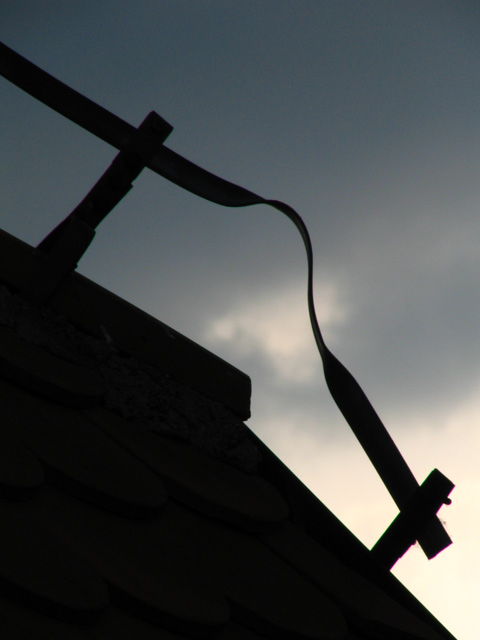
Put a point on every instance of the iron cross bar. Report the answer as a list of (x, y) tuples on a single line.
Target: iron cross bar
[(348, 395), (402, 532)]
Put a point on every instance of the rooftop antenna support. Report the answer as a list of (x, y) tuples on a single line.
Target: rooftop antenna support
[(62, 249)]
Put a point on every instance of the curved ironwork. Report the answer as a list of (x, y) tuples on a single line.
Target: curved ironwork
[(345, 390)]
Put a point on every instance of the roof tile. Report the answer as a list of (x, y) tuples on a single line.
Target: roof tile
[(196, 479), (117, 624), (19, 622), (34, 368), (266, 593), (143, 576), (79, 457)]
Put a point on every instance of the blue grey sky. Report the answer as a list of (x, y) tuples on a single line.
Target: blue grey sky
[(364, 116)]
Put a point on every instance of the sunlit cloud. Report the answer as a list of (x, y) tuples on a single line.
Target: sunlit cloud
[(275, 325)]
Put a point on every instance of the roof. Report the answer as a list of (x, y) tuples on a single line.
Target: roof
[(136, 503)]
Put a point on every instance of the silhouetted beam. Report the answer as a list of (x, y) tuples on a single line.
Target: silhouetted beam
[(63, 99), (112, 129)]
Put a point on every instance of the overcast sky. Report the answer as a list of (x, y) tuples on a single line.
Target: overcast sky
[(364, 116)]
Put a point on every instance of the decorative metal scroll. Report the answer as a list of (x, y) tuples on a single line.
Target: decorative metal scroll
[(418, 505)]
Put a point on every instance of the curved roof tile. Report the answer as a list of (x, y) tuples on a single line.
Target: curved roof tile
[(79, 457), (35, 369)]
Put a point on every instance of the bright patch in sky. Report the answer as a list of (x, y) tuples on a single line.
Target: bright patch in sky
[(276, 324)]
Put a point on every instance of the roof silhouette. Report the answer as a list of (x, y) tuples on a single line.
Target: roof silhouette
[(136, 503)]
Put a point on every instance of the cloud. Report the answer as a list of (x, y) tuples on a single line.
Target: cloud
[(274, 325)]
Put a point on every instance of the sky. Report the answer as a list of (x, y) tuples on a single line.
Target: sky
[(363, 116)]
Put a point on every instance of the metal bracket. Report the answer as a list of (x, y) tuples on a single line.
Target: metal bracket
[(412, 520), (62, 249)]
